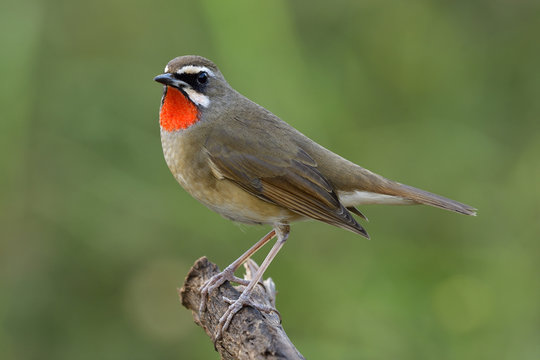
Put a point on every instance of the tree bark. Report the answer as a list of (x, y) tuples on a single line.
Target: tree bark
[(252, 334)]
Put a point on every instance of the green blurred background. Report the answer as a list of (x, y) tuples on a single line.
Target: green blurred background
[(96, 235)]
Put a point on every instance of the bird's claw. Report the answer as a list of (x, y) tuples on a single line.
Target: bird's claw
[(234, 307), (215, 282), (261, 307)]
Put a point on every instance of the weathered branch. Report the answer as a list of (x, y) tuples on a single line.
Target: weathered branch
[(251, 334)]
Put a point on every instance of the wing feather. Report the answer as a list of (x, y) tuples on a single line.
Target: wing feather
[(283, 175)]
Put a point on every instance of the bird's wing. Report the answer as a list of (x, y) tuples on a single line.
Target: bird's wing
[(273, 168)]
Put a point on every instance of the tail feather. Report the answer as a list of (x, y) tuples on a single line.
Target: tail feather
[(384, 191), (356, 185), (427, 198)]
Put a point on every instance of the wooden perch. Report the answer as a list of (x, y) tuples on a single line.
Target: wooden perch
[(251, 334)]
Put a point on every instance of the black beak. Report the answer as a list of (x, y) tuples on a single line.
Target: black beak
[(166, 79)]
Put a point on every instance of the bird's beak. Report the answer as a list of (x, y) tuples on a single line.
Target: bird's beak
[(168, 79)]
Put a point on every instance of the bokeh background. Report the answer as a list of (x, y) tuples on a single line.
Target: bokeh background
[(96, 235)]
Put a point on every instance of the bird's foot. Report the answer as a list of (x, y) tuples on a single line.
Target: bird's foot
[(215, 282), (261, 307), (234, 307)]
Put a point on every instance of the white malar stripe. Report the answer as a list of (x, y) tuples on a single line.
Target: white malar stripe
[(197, 97), (353, 198), (192, 69)]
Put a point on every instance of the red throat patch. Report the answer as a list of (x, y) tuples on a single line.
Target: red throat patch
[(177, 112)]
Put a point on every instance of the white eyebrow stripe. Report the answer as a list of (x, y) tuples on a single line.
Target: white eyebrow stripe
[(166, 70), (192, 69)]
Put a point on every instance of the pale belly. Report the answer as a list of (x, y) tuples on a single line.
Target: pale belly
[(234, 203), (193, 172)]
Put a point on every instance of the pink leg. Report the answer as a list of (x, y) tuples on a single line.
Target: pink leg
[(228, 274), (282, 232)]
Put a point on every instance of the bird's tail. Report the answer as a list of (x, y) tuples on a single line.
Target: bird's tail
[(375, 189), (420, 196)]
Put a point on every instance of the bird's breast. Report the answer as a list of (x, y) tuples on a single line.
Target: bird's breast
[(189, 164)]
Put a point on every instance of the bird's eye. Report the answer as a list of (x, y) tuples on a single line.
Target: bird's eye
[(202, 78)]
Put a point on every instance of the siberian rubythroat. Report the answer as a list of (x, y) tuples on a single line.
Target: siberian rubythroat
[(248, 165)]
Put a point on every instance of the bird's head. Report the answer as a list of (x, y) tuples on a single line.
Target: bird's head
[(192, 85)]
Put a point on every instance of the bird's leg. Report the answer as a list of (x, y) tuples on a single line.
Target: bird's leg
[(282, 232), (228, 274)]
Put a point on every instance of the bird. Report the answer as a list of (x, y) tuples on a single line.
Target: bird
[(245, 163)]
